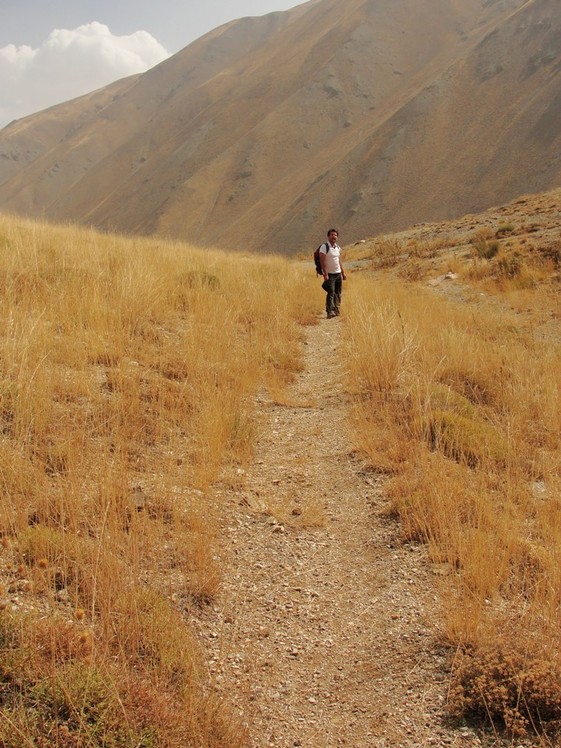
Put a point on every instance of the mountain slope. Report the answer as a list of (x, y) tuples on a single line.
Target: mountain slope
[(264, 131)]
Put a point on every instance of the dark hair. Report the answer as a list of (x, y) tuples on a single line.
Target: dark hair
[(330, 230)]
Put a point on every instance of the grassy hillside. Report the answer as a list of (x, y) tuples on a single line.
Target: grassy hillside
[(454, 349), (127, 370)]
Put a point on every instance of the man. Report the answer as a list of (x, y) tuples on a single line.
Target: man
[(333, 273)]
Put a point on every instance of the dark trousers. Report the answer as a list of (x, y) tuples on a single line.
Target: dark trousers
[(333, 287)]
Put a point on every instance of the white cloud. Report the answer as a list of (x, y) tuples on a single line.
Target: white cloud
[(70, 63)]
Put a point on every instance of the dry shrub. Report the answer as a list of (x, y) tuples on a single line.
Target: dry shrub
[(503, 687), (413, 270), (387, 252), (551, 252), (57, 689), (428, 248), (484, 246)]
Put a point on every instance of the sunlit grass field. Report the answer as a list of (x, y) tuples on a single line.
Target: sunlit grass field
[(457, 399), (127, 370)]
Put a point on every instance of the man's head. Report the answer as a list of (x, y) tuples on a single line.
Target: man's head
[(333, 235)]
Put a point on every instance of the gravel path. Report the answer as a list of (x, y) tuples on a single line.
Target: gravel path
[(323, 632)]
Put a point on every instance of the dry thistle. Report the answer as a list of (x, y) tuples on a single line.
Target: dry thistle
[(86, 642)]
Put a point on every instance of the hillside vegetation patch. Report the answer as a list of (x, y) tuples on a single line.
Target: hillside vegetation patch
[(457, 400), (128, 370)]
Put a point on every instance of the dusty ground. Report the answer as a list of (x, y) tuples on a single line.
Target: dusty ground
[(324, 630)]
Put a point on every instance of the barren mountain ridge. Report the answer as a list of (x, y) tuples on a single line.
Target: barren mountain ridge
[(363, 114)]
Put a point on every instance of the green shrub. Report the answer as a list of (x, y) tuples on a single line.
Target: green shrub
[(465, 439), (504, 228), (74, 707), (484, 249), (445, 397)]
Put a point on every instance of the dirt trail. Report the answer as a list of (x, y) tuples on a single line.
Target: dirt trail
[(322, 634)]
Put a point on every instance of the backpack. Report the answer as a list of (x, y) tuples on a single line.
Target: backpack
[(317, 262)]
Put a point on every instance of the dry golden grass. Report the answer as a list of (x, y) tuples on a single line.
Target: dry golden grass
[(127, 369), (461, 405)]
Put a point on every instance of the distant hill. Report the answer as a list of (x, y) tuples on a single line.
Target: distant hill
[(367, 115)]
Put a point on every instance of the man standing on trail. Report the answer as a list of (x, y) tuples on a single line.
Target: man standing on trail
[(333, 273)]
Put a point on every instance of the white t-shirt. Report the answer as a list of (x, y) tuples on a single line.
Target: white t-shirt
[(332, 264)]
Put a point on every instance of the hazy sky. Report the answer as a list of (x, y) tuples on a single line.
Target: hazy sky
[(54, 50)]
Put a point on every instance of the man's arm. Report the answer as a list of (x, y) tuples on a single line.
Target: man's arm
[(322, 262)]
